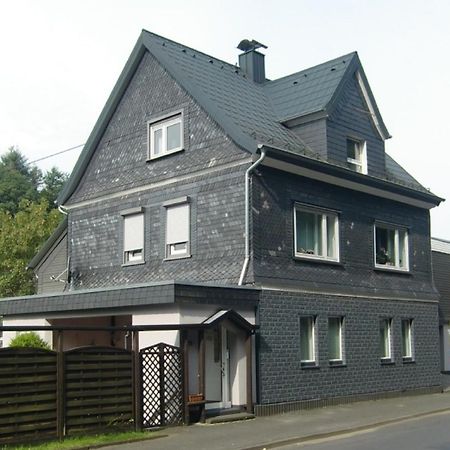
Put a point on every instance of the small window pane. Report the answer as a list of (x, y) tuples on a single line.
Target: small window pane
[(352, 151), (331, 237), (306, 233), (334, 338), (391, 247), (157, 142), (402, 248), (406, 339), (307, 338), (385, 338), (174, 136)]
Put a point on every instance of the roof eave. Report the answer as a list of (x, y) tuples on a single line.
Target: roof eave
[(341, 172)]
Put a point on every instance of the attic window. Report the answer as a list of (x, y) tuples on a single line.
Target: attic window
[(165, 136), (356, 156)]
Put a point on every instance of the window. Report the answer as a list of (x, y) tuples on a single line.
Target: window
[(165, 136), (316, 234), (407, 339), (307, 340), (356, 156), (1, 332), (391, 247), (177, 230), (335, 339), (133, 238), (385, 339)]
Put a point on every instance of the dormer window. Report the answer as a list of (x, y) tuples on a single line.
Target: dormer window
[(165, 136), (356, 156)]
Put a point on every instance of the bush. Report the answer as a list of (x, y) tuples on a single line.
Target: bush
[(30, 339)]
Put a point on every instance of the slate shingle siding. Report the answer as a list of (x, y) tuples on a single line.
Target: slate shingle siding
[(217, 230), (283, 379), (351, 119), (314, 135), (119, 161), (274, 194), (441, 273)]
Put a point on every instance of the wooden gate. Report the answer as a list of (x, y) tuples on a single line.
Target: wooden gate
[(98, 388), (162, 385), (28, 395)]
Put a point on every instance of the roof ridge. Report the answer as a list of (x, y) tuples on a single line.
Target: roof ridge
[(352, 54), (186, 47)]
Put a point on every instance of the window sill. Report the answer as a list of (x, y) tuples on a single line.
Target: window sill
[(314, 260), (309, 365), (387, 362), (134, 263), (175, 257), (392, 270), (408, 360), (152, 158), (337, 364)]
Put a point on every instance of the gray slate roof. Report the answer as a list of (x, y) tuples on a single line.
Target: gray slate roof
[(250, 113)]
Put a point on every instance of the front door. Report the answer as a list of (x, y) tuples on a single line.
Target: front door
[(217, 362)]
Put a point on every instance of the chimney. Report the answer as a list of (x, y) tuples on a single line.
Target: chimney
[(251, 61)]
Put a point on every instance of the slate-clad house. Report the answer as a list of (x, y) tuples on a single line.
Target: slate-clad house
[(209, 194), (441, 272)]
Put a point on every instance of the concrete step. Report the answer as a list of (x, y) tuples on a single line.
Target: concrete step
[(230, 418)]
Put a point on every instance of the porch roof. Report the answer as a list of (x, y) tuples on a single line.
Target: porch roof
[(126, 298)]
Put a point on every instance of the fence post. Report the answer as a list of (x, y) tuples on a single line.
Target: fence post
[(137, 383), (60, 386)]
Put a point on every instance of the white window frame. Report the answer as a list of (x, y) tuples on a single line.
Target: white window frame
[(409, 353), (324, 234), (312, 340), (388, 357), (170, 251), (359, 164), (136, 255), (162, 124), (1, 332), (395, 265), (341, 322)]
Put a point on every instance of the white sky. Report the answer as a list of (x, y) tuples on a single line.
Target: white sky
[(60, 60)]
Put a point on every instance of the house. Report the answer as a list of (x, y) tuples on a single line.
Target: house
[(261, 219), (440, 250)]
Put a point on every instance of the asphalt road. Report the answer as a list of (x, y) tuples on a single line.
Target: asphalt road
[(427, 433)]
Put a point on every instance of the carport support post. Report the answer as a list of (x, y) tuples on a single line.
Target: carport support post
[(137, 383), (60, 388), (185, 347), (249, 372), (201, 371)]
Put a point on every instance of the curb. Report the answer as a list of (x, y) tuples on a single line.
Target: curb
[(313, 437)]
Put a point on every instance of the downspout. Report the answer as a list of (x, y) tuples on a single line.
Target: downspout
[(247, 213), (61, 210)]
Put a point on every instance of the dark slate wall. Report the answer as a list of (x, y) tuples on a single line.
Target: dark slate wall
[(120, 160), (441, 274), (274, 194), (283, 379), (314, 135), (217, 234), (54, 264), (351, 119)]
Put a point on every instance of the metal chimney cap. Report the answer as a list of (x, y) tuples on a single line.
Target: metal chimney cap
[(245, 45)]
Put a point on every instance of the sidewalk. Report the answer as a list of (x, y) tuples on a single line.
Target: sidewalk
[(273, 431)]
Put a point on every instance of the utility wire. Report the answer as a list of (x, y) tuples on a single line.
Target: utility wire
[(57, 153)]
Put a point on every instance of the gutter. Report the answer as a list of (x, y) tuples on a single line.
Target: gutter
[(247, 212)]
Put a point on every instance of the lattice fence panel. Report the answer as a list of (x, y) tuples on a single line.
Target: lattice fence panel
[(99, 389), (27, 395), (162, 385)]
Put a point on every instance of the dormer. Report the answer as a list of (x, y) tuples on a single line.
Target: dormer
[(332, 109)]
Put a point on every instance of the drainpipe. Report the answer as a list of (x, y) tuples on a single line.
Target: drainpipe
[(247, 213), (61, 210)]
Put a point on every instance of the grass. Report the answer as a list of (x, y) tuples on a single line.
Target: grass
[(85, 442)]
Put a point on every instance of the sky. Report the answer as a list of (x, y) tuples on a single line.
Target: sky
[(61, 58)]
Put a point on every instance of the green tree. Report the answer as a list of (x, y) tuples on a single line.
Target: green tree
[(52, 183), (30, 340), (21, 236)]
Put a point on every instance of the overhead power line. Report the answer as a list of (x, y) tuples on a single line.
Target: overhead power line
[(55, 154)]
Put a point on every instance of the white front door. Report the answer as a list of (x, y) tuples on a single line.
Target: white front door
[(217, 362)]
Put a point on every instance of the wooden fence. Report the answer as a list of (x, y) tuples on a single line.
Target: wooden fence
[(46, 394)]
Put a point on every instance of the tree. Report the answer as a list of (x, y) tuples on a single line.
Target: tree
[(53, 181), (21, 236), (29, 340)]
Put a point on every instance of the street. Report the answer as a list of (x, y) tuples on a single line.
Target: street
[(429, 433)]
